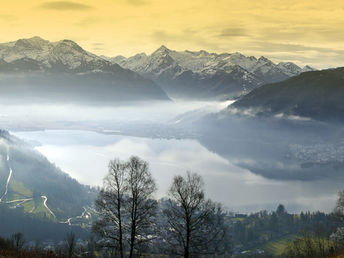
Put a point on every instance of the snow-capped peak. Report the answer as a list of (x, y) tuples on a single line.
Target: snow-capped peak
[(263, 59), (289, 68), (46, 54), (237, 55), (33, 43), (165, 61), (308, 68), (163, 49)]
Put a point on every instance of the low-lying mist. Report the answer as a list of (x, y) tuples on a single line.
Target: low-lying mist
[(248, 163), (20, 115)]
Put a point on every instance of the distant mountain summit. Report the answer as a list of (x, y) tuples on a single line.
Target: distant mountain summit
[(203, 75), (70, 72), (51, 56)]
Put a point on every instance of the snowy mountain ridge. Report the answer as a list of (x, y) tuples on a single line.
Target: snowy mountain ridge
[(205, 62), (204, 74), (183, 74), (62, 71), (46, 55)]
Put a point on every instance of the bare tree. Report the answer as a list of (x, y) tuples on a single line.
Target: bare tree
[(141, 205), (339, 209), (70, 240), (194, 223), (18, 240), (109, 204), (125, 205)]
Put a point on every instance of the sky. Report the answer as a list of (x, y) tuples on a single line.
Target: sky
[(303, 31)]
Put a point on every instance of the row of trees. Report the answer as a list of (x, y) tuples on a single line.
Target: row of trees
[(322, 239), (257, 228), (17, 246), (129, 221)]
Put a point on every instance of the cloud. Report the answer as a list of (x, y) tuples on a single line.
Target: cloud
[(137, 2), (160, 35), (98, 49), (232, 32), (307, 32), (319, 57), (291, 117), (287, 47), (87, 22), (65, 6), (186, 35), (5, 17), (97, 46)]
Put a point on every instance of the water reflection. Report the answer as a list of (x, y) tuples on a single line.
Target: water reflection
[(85, 155)]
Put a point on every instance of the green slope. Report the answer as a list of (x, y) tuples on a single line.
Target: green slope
[(277, 247), (33, 177), (317, 95)]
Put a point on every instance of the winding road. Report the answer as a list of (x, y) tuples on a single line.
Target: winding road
[(46, 206), (21, 201), (85, 214), (8, 179)]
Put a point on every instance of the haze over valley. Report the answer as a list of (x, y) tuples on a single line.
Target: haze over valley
[(150, 128), (197, 111), (259, 133)]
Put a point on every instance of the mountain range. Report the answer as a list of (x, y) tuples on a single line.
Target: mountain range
[(38, 70), (202, 74), (63, 71)]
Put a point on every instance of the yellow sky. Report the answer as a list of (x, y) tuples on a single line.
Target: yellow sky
[(303, 31)]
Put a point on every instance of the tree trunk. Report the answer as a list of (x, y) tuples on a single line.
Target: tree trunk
[(132, 240), (120, 224), (133, 226), (187, 245)]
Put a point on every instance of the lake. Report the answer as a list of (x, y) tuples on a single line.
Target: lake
[(84, 155)]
